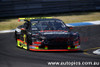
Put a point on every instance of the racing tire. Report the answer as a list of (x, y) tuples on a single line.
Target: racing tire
[(29, 41)]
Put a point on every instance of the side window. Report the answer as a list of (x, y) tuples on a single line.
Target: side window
[(26, 25)]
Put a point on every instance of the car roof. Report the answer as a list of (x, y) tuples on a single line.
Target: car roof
[(44, 19)]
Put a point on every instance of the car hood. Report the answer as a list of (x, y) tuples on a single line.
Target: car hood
[(55, 34)]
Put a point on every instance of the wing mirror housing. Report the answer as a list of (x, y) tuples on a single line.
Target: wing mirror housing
[(70, 28), (22, 28)]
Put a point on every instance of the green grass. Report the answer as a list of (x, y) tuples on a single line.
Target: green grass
[(6, 24)]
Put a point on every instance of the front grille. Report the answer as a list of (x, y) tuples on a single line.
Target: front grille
[(57, 47), (57, 43)]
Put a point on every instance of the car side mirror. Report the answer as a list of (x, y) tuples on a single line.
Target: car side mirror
[(22, 28), (70, 28)]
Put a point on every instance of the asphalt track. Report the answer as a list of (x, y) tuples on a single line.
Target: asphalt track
[(11, 56)]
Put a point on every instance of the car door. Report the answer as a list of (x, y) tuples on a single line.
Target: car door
[(24, 31)]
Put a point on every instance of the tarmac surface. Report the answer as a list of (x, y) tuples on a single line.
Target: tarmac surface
[(12, 56)]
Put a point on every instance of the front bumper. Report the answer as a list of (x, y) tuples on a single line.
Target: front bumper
[(36, 48)]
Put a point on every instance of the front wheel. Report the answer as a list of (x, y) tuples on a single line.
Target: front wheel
[(29, 41)]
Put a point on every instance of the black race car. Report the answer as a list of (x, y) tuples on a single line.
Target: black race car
[(46, 35)]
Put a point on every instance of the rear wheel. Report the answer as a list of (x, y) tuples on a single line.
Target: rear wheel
[(19, 44), (15, 36)]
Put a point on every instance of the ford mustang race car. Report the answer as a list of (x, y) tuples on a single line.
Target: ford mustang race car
[(46, 34)]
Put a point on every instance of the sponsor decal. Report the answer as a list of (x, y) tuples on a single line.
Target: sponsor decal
[(55, 33)]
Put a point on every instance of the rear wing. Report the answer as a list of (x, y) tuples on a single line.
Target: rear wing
[(28, 19)]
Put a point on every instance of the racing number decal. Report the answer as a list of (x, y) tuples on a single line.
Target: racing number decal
[(24, 38), (24, 42)]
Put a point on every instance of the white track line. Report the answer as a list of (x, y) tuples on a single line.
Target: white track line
[(95, 22), (7, 31), (97, 52)]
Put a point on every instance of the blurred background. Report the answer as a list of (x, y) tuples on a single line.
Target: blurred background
[(70, 11)]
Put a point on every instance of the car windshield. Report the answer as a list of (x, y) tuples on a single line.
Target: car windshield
[(48, 25)]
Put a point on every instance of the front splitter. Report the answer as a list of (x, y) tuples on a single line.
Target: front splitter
[(54, 49)]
